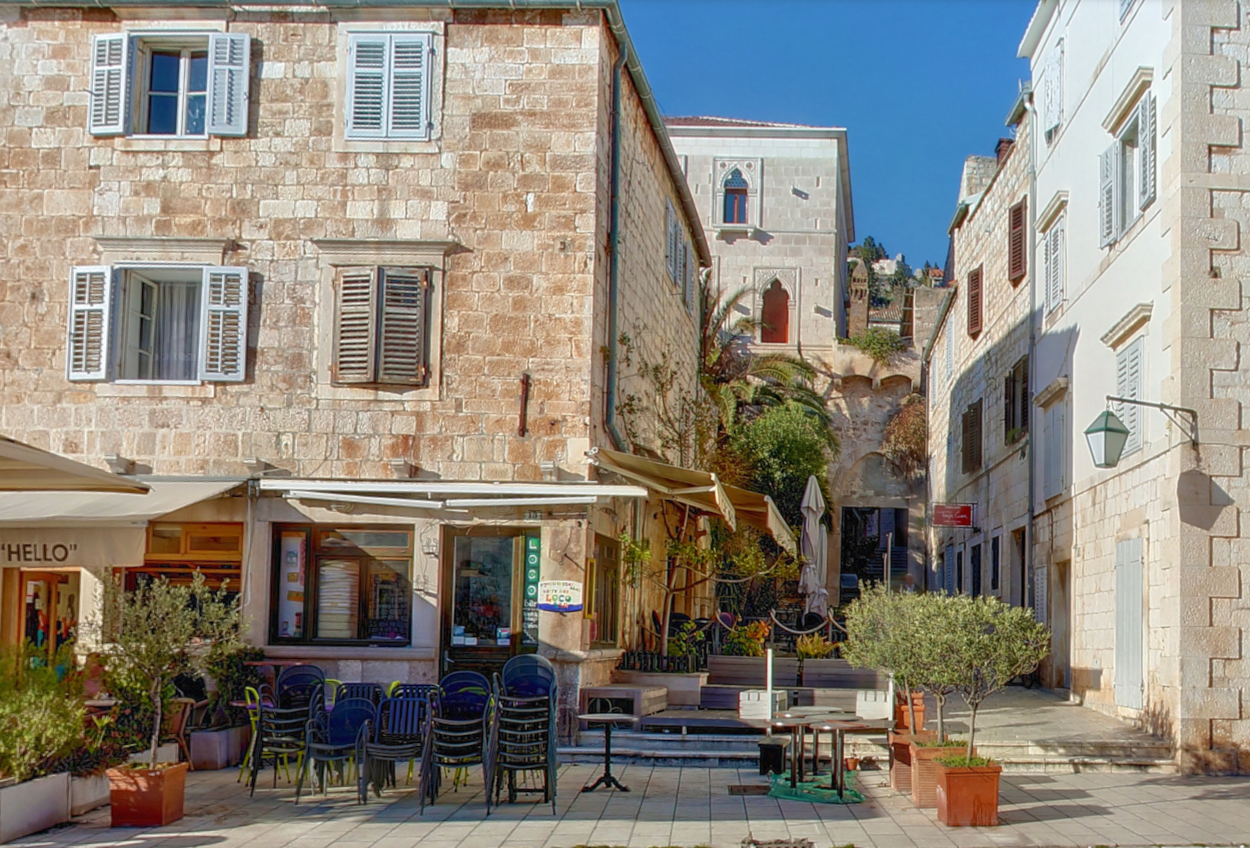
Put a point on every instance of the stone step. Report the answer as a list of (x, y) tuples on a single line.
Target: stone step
[(738, 751)]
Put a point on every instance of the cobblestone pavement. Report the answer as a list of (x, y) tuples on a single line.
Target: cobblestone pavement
[(688, 807)]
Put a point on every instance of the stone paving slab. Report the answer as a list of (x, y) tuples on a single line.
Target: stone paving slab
[(688, 807)]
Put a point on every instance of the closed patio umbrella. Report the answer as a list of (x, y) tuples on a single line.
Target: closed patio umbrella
[(813, 545)]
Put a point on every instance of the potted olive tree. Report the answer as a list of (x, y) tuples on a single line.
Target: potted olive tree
[(937, 671), (156, 632), (992, 643), (883, 629)]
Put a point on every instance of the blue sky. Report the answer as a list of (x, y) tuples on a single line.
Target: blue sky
[(919, 85)]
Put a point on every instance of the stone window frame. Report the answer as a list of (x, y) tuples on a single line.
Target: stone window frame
[(789, 280), (337, 254), (437, 69), (752, 171)]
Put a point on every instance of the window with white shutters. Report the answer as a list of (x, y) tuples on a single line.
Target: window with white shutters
[(174, 324), (381, 326), (188, 85), (950, 352), (1127, 173), (670, 240), (1054, 454), (1053, 262), (1052, 93), (388, 85), (1108, 229), (1128, 380), (692, 267)]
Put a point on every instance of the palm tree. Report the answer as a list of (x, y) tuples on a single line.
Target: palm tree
[(739, 381)]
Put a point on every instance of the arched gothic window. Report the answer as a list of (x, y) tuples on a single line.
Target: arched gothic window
[(735, 198), (775, 315)]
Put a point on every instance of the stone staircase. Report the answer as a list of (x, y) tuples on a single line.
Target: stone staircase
[(741, 750)]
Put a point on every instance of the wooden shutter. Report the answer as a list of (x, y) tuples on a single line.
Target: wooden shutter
[(972, 438), (223, 318), (1106, 195), (690, 275), (90, 310), (409, 86), (110, 84), (1025, 400), (229, 75), (670, 240), (1129, 624), (1128, 378), (950, 352), (355, 326), (1052, 481), (1146, 148), (1009, 405), (1054, 264), (1017, 248), (366, 86), (974, 302), (401, 337)]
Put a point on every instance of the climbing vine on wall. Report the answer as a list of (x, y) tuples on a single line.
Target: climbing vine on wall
[(906, 437)]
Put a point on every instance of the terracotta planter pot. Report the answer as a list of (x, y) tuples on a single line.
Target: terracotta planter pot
[(851, 763), (902, 716), (144, 797), (900, 757), (924, 772), (968, 797)]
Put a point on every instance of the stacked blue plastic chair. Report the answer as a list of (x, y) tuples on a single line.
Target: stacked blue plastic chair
[(527, 694), (369, 691), (460, 732), (337, 737), (397, 736), (297, 685)]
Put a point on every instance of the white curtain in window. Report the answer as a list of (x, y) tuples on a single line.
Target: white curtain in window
[(177, 332)]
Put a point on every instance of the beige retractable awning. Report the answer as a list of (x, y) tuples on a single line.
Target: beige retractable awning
[(27, 469), (759, 511), (699, 489), (95, 509)]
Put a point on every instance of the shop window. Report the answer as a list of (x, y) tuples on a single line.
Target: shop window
[(341, 586), (177, 552)]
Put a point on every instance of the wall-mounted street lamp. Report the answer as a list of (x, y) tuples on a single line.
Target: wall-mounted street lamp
[(1108, 435)]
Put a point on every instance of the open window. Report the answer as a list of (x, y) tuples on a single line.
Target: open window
[(182, 85), (160, 324)]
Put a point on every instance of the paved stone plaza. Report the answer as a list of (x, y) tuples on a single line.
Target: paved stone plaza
[(690, 807)]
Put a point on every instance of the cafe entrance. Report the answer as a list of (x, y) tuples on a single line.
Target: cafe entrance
[(490, 597), (41, 608)]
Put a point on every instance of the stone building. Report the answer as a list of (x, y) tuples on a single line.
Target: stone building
[(343, 282), (1137, 263), (977, 379), (776, 200)]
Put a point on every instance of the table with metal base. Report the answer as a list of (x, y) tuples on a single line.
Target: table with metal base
[(607, 720), (837, 780)]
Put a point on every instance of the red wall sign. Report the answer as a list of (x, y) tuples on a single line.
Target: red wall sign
[(952, 515)]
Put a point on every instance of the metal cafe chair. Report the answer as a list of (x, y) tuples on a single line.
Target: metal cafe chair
[(460, 732), (335, 737), (397, 736), (527, 695)]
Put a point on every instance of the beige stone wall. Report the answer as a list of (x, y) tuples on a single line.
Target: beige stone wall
[(977, 369), (517, 177)]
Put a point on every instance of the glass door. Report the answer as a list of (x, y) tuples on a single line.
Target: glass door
[(483, 600), (49, 617)]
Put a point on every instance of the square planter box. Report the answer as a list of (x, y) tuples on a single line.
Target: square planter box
[(968, 797), (87, 793), (33, 805), (900, 758), (683, 688), (143, 797), (924, 772), (753, 703), (220, 748), (167, 753)]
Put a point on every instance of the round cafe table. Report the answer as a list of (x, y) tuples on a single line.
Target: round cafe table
[(607, 720), (838, 727)]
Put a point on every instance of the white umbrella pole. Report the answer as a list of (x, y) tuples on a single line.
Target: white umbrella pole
[(768, 679)]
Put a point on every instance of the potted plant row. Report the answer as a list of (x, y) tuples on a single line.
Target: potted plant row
[(156, 632), (944, 644)]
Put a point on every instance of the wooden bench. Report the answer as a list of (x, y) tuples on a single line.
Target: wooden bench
[(621, 697)]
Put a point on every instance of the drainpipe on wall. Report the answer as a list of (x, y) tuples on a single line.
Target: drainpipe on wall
[(614, 263), (1028, 554)]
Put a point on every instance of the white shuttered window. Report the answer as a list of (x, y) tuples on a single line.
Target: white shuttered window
[(174, 324), (1054, 455), (1053, 260), (1128, 384), (185, 85), (388, 85)]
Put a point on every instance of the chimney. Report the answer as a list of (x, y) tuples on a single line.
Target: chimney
[(1003, 148)]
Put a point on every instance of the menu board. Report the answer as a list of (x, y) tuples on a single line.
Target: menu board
[(292, 561), (338, 598), (533, 573)]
